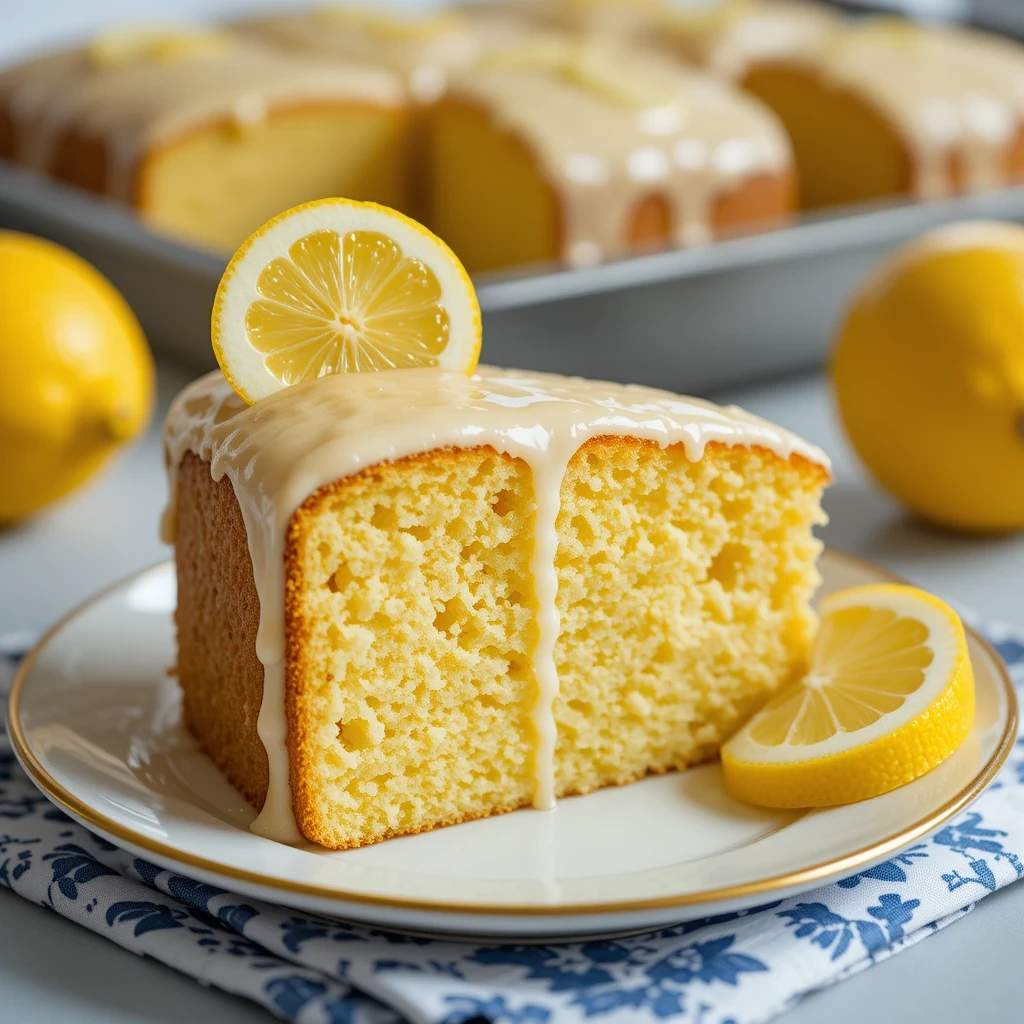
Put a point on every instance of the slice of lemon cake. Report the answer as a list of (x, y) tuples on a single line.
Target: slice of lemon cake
[(581, 151), (874, 107), (206, 134), (423, 47), (411, 598)]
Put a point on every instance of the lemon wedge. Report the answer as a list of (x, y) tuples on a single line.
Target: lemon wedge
[(336, 286), (889, 694)]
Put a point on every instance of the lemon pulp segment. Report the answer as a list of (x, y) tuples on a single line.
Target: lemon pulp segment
[(888, 696), (346, 303), (338, 286), (869, 660)]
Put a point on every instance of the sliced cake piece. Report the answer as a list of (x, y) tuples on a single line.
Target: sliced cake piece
[(578, 151), (413, 598), (207, 135), (874, 108)]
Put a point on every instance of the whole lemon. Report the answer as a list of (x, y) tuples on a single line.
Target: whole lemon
[(76, 376), (929, 376)]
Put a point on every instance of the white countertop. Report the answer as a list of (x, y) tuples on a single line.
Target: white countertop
[(54, 972)]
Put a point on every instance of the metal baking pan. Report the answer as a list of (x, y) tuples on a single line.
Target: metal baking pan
[(692, 320)]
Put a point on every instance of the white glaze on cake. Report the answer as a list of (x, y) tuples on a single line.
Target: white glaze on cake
[(945, 90), (732, 36), (277, 452), (135, 105), (424, 47), (610, 126)]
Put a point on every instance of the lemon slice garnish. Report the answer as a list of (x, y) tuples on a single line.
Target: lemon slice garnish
[(888, 696), (337, 286)]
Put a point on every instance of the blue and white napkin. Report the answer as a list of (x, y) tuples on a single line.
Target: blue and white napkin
[(740, 968)]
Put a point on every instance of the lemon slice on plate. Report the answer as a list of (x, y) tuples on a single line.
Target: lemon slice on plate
[(889, 694), (337, 286)]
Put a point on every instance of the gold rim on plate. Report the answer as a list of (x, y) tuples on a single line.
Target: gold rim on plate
[(171, 856)]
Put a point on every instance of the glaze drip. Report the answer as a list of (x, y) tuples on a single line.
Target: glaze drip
[(277, 452)]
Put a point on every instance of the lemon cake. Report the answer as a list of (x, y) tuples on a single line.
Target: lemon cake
[(423, 47), (207, 135), (413, 598), (580, 151), (880, 107), (733, 38)]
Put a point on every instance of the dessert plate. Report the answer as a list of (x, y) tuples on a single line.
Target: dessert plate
[(95, 721)]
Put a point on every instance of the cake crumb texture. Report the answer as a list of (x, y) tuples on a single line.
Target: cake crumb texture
[(683, 592), (410, 629)]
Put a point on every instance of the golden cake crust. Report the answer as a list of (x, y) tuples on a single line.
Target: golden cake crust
[(217, 617)]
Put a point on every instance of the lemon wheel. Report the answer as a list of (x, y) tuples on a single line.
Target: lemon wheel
[(337, 286), (889, 695)]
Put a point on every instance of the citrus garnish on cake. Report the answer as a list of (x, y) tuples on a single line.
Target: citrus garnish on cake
[(337, 286), (889, 695)]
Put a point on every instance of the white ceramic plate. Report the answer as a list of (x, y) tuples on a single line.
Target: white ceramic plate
[(95, 722)]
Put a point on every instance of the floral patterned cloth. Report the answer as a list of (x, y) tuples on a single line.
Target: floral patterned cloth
[(740, 968)]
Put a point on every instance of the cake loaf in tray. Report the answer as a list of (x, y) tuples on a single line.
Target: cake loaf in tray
[(582, 151), (876, 107), (206, 134), (414, 598)]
